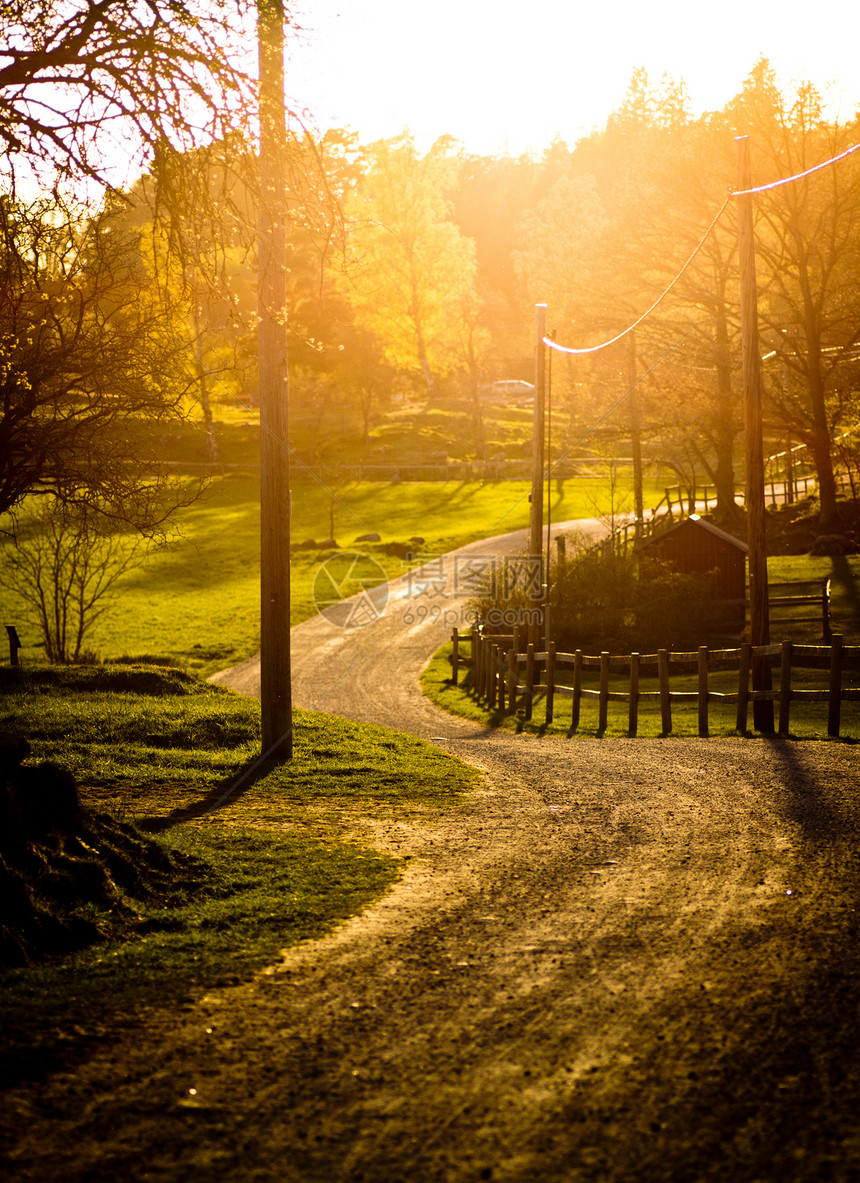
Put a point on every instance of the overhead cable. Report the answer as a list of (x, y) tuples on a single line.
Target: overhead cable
[(798, 176), (550, 344)]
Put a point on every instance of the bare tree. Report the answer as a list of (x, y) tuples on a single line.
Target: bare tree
[(80, 77), (63, 562)]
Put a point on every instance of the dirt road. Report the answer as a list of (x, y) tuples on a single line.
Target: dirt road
[(625, 960)]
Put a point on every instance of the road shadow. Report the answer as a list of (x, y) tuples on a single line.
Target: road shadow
[(749, 1069), (807, 801)]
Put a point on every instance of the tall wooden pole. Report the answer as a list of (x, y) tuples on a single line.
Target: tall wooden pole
[(275, 673), (538, 429), (635, 433), (756, 539)]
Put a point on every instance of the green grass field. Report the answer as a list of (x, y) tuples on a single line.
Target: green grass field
[(197, 603), (281, 853)]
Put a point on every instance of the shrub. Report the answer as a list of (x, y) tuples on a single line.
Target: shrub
[(612, 602)]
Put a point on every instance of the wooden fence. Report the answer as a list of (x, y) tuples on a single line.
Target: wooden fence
[(509, 679), (678, 501)]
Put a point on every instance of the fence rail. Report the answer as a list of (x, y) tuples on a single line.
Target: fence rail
[(510, 678)]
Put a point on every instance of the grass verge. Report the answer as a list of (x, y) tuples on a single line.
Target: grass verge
[(808, 721), (277, 854), (197, 603)]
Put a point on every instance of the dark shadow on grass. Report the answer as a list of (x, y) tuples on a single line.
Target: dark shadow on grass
[(226, 793)]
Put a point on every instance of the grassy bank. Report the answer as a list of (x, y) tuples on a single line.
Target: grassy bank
[(276, 855), (197, 603)]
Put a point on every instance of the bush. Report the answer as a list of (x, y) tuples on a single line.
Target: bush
[(612, 602)]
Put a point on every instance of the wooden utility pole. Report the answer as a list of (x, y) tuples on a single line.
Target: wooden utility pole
[(538, 429), (635, 433), (756, 539), (275, 674)]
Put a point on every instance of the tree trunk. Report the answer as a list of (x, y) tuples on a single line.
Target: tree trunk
[(820, 446), (206, 406), (726, 418)]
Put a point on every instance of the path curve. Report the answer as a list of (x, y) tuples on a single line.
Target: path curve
[(633, 961)]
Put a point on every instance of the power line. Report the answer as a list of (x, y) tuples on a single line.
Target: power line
[(798, 176), (550, 344), (619, 336)]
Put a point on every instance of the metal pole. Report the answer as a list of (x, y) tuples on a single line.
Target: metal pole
[(536, 541), (547, 553), (275, 672), (756, 539)]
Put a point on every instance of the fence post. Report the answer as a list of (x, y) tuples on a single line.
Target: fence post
[(492, 675), (511, 679), (825, 613), (550, 682), (577, 689), (665, 700), (834, 707), (14, 644), (633, 706), (530, 679), (603, 701), (473, 651), (455, 656), (785, 686), (703, 690), (744, 686)]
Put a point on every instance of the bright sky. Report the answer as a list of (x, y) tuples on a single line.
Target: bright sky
[(505, 76)]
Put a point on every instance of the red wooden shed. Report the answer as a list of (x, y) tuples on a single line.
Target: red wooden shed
[(697, 547)]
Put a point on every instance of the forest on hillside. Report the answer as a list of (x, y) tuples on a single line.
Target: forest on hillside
[(412, 281)]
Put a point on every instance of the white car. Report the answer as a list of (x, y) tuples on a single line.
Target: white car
[(511, 388)]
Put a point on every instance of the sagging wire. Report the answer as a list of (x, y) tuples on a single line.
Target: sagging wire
[(551, 344), (798, 176), (554, 464)]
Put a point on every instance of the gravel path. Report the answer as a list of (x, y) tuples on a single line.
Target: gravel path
[(622, 960)]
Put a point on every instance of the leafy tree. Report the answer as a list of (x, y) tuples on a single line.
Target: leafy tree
[(412, 265), (561, 237), (492, 197), (808, 244), (657, 179)]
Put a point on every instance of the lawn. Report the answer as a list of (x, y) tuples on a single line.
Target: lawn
[(272, 855), (196, 603)]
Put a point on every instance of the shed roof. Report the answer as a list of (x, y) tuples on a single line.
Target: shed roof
[(695, 521)]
